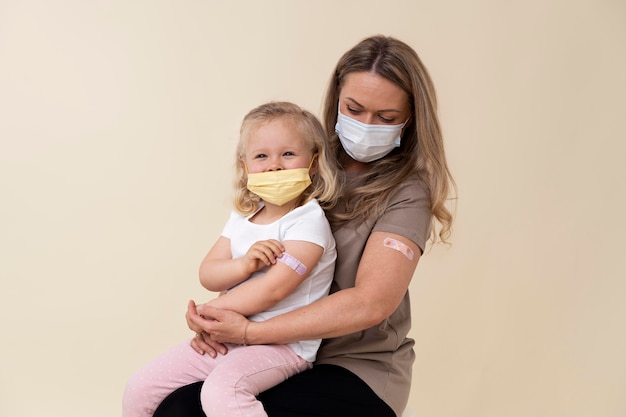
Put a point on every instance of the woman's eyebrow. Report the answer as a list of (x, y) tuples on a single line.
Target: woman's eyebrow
[(354, 101), (377, 111)]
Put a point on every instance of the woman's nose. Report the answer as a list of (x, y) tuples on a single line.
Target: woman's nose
[(367, 118), (370, 119)]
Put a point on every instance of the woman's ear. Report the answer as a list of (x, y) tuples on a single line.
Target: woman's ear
[(407, 124)]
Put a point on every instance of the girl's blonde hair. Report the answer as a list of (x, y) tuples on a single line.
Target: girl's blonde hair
[(421, 151), (324, 174)]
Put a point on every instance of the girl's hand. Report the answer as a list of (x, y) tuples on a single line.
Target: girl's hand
[(202, 341), (263, 253)]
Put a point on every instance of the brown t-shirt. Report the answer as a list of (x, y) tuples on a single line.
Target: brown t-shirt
[(382, 355)]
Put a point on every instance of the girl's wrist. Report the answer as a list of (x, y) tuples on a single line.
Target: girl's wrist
[(244, 268)]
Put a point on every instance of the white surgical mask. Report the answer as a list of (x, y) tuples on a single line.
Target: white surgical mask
[(364, 142)]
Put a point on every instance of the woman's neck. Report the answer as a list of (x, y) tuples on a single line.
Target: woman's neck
[(353, 166)]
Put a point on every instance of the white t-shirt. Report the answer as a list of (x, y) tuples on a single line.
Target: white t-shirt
[(306, 223)]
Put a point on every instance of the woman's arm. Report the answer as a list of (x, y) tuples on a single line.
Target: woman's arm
[(278, 282), (382, 280)]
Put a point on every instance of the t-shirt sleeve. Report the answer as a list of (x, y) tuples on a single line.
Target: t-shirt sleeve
[(409, 214), (227, 231), (311, 225)]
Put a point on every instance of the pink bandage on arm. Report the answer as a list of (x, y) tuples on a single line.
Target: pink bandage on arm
[(399, 246), (292, 263)]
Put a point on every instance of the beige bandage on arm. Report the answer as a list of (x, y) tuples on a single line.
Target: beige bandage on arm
[(399, 246)]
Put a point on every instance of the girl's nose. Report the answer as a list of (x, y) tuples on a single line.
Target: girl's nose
[(274, 166)]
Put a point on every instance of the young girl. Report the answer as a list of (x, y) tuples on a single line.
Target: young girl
[(276, 254)]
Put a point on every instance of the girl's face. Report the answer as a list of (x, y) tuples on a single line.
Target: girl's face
[(276, 145), (372, 99)]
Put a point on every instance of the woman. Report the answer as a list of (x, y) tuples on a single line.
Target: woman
[(380, 113)]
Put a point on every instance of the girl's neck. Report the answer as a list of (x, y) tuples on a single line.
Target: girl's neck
[(269, 213)]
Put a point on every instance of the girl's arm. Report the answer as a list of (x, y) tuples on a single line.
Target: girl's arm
[(382, 281), (219, 271), (279, 281)]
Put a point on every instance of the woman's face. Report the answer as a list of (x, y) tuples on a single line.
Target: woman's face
[(372, 99)]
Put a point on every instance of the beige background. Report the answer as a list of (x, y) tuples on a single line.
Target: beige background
[(117, 126)]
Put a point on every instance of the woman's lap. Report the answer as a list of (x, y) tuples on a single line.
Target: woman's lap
[(184, 402), (324, 391)]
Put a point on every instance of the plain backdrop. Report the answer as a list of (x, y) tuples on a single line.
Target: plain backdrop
[(118, 121)]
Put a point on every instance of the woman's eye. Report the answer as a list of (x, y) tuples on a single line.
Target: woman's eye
[(353, 110), (385, 119)]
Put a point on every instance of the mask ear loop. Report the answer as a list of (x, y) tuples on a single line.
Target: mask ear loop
[(311, 163), (245, 168)]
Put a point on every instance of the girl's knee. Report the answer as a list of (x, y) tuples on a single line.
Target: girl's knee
[(137, 398), (223, 395)]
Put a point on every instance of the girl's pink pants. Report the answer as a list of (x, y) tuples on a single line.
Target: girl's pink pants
[(232, 381)]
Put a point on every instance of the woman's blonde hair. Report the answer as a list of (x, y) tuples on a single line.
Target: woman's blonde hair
[(421, 151), (323, 173)]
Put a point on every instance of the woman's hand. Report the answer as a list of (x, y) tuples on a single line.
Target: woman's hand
[(192, 308), (202, 342), (221, 326)]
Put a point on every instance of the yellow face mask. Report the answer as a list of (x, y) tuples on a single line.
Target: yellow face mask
[(279, 187)]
